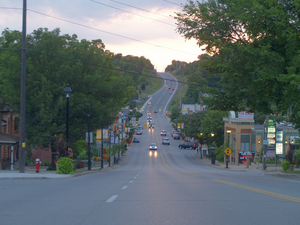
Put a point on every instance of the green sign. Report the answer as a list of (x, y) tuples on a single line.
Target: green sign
[(212, 147)]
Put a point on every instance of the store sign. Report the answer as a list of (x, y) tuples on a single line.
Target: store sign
[(279, 148), (246, 116), (270, 153)]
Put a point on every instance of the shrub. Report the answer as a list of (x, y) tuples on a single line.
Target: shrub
[(285, 165), (65, 166), (289, 156), (80, 164)]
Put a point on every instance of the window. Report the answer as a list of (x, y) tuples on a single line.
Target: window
[(233, 141), (17, 122), (245, 142)]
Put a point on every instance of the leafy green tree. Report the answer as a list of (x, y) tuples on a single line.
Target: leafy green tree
[(99, 89), (254, 49)]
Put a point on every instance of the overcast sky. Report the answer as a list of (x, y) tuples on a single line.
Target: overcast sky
[(153, 30)]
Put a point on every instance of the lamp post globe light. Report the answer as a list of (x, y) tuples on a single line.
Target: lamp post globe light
[(212, 154), (88, 114), (67, 92), (228, 133)]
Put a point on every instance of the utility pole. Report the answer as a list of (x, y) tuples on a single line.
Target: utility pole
[(266, 146), (23, 92)]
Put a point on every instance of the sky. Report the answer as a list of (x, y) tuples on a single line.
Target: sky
[(131, 27)]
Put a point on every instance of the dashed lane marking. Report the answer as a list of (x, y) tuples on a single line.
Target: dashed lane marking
[(112, 198)]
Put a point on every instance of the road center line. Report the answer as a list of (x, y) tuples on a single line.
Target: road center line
[(131, 181), (165, 162), (260, 191), (124, 187), (112, 198)]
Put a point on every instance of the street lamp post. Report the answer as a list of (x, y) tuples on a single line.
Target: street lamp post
[(88, 114), (212, 154), (201, 146), (67, 92), (228, 132)]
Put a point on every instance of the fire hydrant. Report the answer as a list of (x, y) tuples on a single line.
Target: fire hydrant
[(37, 165)]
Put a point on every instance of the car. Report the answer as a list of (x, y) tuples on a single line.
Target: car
[(170, 92), (163, 133), (138, 132), (139, 127), (136, 140), (173, 88), (149, 120), (176, 136), (173, 131), (169, 87), (152, 146), (166, 141), (188, 144), (155, 111), (151, 125)]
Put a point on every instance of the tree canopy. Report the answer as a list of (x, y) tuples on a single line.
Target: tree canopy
[(95, 85), (253, 47)]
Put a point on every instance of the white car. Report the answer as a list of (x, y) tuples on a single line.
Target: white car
[(166, 141)]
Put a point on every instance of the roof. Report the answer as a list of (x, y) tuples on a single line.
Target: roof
[(7, 139)]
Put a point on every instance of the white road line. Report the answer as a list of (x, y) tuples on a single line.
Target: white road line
[(134, 177), (124, 187), (131, 181), (112, 198)]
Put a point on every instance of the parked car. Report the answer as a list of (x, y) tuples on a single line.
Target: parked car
[(139, 132), (152, 146), (140, 127), (151, 125), (163, 133), (166, 141), (169, 87), (155, 111), (176, 136), (170, 92), (173, 88), (188, 144), (136, 140)]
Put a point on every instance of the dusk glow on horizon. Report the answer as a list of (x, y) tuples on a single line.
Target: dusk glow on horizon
[(138, 28)]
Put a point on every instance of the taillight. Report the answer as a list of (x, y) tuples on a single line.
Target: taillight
[(194, 145)]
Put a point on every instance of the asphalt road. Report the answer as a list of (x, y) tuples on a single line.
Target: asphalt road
[(168, 186)]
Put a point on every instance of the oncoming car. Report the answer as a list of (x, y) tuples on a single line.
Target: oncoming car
[(152, 146), (151, 125)]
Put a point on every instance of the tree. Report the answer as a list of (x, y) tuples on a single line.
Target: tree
[(254, 48), (96, 88)]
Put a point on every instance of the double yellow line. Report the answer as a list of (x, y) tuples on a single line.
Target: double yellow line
[(290, 198)]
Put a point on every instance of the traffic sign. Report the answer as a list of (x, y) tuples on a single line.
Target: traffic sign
[(227, 151)]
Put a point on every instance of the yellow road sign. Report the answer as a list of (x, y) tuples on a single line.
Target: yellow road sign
[(227, 151)]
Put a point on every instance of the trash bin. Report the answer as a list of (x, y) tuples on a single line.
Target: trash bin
[(116, 159), (213, 161)]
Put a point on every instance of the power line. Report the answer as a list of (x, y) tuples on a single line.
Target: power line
[(133, 39), (132, 13), (92, 64), (103, 31), (172, 2), (141, 9)]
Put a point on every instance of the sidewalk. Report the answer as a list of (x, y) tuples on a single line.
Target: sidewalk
[(30, 172), (271, 170)]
